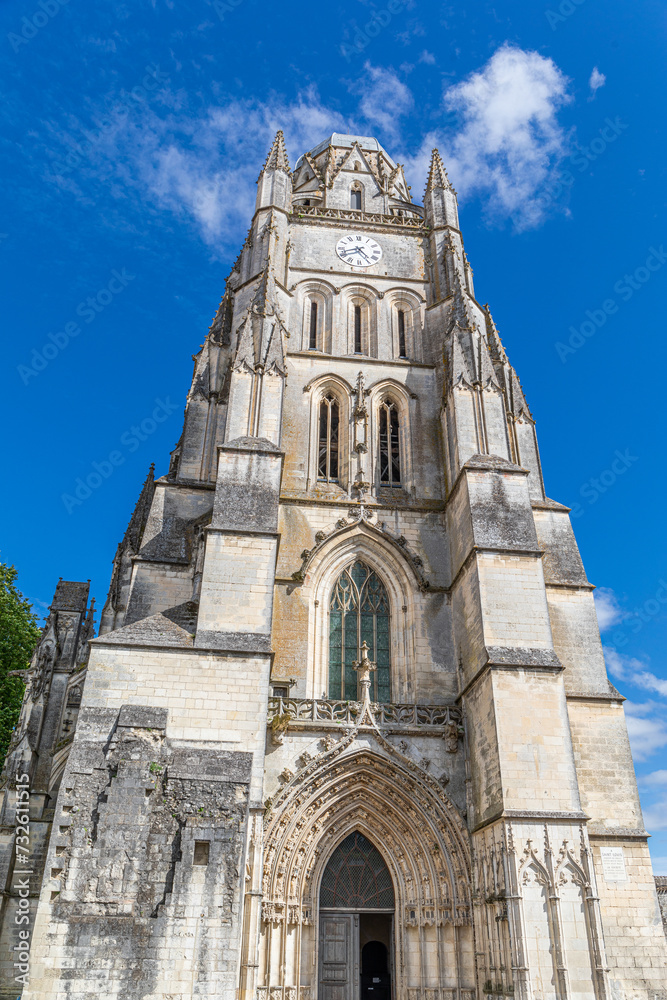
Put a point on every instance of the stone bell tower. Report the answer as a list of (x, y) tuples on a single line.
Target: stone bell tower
[(346, 732)]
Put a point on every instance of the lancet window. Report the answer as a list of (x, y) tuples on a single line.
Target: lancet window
[(329, 439), (402, 352), (357, 329), (358, 612), (355, 199), (312, 334), (389, 444)]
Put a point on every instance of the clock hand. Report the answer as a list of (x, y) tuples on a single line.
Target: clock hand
[(356, 250)]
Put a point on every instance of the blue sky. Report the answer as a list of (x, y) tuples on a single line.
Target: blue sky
[(132, 137)]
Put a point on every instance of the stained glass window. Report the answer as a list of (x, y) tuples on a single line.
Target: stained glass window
[(357, 877), (358, 611)]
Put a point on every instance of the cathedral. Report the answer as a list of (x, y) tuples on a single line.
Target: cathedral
[(346, 727)]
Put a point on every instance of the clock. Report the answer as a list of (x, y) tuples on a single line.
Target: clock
[(358, 250)]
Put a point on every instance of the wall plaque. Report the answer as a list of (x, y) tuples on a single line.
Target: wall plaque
[(613, 864)]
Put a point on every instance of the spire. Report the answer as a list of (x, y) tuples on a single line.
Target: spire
[(518, 400), (493, 338), (135, 528), (437, 175), (263, 302), (460, 315), (277, 158), (244, 359), (274, 359), (485, 370), (87, 633), (459, 369)]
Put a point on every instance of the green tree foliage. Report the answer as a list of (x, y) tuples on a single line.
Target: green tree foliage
[(19, 633)]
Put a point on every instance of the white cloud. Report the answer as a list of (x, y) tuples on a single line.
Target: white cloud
[(655, 816), (510, 141), (622, 667), (647, 732), (199, 166), (654, 779), (596, 81), (427, 57), (201, 163), (385, 100), (608, 609), (634, 671)]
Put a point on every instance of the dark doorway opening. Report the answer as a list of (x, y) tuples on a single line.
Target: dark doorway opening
[(375, 945)]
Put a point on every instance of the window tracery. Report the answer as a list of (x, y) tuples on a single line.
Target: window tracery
[(389, 443), (356, 877), (358, 612), (328, 439)]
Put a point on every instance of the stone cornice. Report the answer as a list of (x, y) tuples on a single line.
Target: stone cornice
[(336, 218), (509, 469), (532, 816), (182, 650), (391, 279), (476, 549), (358, 359), (621, 833), (595, 696), (520, 662)]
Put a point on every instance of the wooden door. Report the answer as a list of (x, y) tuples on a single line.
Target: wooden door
[(338, 956)]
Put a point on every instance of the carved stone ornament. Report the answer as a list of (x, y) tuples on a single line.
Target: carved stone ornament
[(361, 513)]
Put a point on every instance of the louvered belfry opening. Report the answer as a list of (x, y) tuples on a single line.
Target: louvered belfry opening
[(356, 877)]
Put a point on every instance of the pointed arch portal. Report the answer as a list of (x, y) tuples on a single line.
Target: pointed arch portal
[(356, 923), (362, 823)]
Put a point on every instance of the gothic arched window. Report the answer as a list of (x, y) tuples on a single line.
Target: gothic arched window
[(355, 199), (390, 458), (358, 611), (357, 877), (328, 437)]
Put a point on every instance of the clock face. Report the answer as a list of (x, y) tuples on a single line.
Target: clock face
[(360, 251)]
